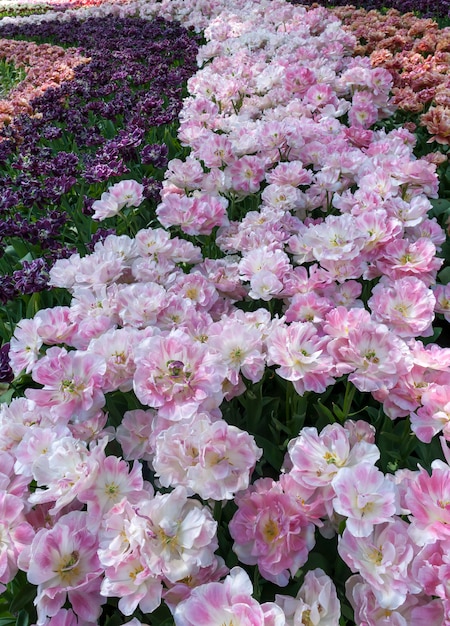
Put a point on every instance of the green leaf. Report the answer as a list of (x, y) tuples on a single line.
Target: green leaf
[(23, 596), (444, 276), (272, 453), (325, 412), (23, 619), (440, 205), (338, 412)]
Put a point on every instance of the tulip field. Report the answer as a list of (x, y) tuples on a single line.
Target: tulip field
[(225, 307)]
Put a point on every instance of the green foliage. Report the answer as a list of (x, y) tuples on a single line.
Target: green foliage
[(10, 76)]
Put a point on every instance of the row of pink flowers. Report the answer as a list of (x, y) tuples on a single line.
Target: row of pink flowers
[(416, 52), (46, 67), (281, 114)]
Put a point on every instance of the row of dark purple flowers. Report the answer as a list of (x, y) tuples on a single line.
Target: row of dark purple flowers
[(427, 8), (104, 125)]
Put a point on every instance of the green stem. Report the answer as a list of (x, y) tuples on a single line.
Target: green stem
[(350, 391)]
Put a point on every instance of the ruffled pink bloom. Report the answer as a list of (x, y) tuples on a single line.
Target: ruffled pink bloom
[(106, 207), (177, 375), (406, 306), (186, 174), (431, 569), (25, 345), (55, 326), (384, 559), (433, 416), (36, 441), (365, 496), (442, 295), (133, 434), (264, 285), (139, 304), (318, 458), (428, 500), (127, 193), (240, 347), (72, 382), (229, 602), (181, 535), (302, 355), (116, 348), (66, 470), (214, 460), (270, 529), (113, 482), (337, 238), (360, 431), (316, 603), (196, 215), (215, 151), (403, 258), (430, 366), (134, 583), (123, 532), (196, 288), (15, 533), (374, 356), (307, 307), (417, 610), (246, 174), (62, 561), (174, 593)]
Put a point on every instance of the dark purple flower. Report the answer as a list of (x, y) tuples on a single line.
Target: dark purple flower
[(7, 289), (32, 277), (6, 373), (155, 154)]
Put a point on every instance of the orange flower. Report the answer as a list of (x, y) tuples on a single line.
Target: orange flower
[(437, 122)]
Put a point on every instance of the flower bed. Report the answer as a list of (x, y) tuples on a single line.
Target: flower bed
[(79, 133), (241, 415), (46, 67)]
